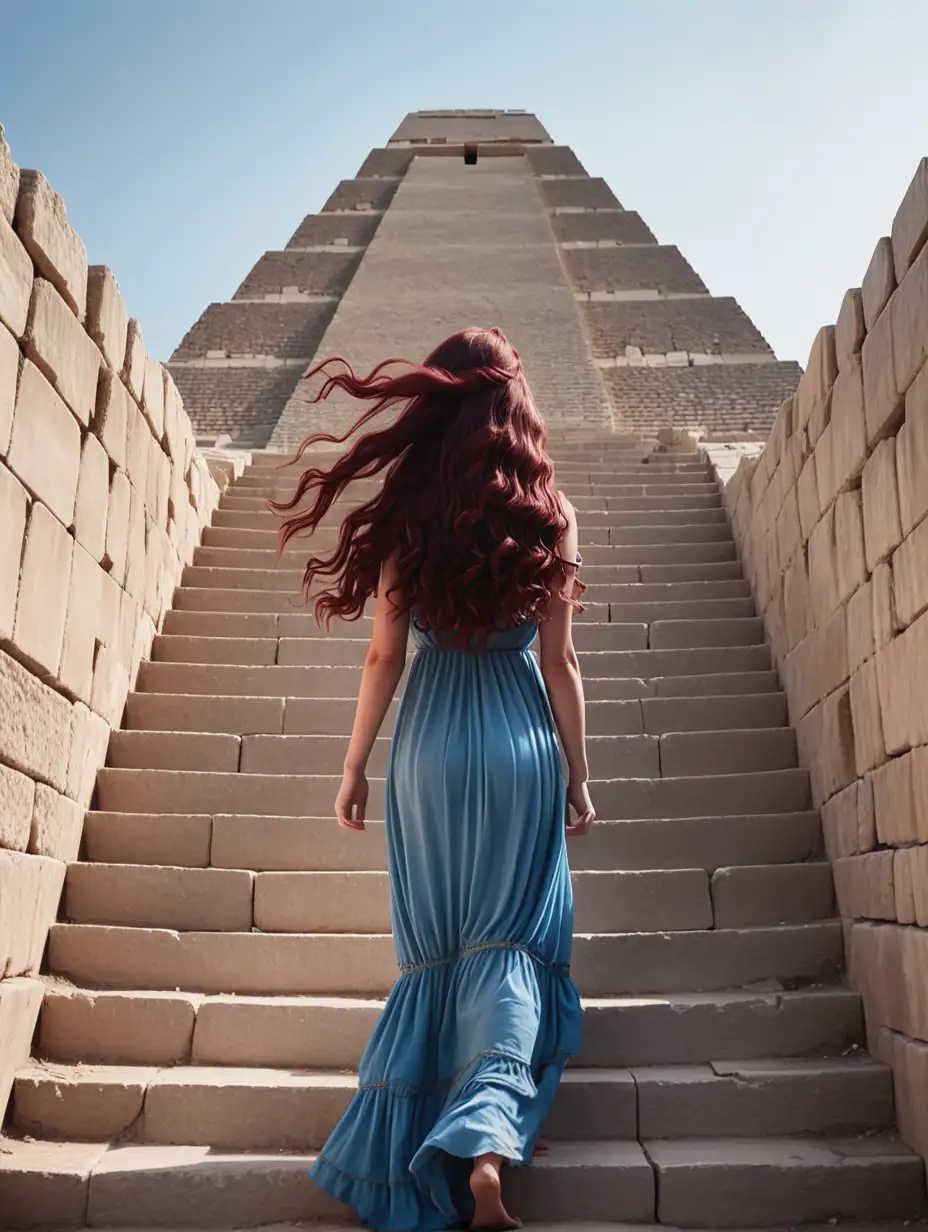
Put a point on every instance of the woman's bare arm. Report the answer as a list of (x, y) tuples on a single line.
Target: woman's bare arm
[(560, 669), (383, 667)]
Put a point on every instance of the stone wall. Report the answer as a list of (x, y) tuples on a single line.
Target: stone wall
[(831, 517), (102, 500), (658, 269)]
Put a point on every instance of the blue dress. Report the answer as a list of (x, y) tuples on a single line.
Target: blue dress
[(468, 1053)]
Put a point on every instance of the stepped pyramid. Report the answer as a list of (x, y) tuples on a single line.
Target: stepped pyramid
[(223, 950)]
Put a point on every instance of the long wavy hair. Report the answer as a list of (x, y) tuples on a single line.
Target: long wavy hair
[(468, 501)]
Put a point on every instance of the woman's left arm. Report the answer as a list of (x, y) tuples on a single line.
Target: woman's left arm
[(383, 667)]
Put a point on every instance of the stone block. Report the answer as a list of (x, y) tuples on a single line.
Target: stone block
[(910, 226), (153, 396), (894, 802), (35, 725), (56, 249), (902, 885), (45, 451), (818, 377), (839, 824), (910, 1066), (57, 823), (9, 379), (849, 543), (174, 416), (788, 529), (13, 507), (919, 759), (20, 1002), (866, 815), (810, 510), (111, 418), (9, 180), (57, 343), (15, 281), (824, 469), (869, 746), (107, 321), (819, 422), (861, 644), (82, 626), (879, 282), (850, 328), (817, 666), (45, 1184), (918, 863), (796, 601), (17, 796), (884, 399), (908, 310), (140, 444), (43, 591), (848, 426), (910, 576), (836, 763), (30, 887), (159, 486), (93, 493), (110, 686), (130, 613), (823, 568), (117, 525), (135, 548), (885, 623), (89, 739), (133, 369), (882, 526), (864, 886), (912, 454)]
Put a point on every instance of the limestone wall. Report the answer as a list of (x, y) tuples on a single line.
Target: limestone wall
[(102, 500), (831, 518)]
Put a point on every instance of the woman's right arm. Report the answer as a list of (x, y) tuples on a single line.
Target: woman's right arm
[(560, 670)]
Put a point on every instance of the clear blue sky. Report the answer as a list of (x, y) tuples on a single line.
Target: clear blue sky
[(770, 139)]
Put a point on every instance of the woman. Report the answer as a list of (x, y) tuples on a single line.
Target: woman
[(469, 542)]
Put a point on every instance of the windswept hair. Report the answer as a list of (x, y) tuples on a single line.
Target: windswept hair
[(468, 501)]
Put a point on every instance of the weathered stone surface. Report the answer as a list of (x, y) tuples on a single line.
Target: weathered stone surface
[(909, 311), (83, 625), (796, 601), (910, 226), (111, 418), (20, 1001), (849, 543), (159, 486), (817, 666), (17, 795), (912, 454), (90, 736), (57, 823), (885, 622), (884, 400), (15, 280), (107, 321), (864, 886), (894, 802), (882, 527), (13, 503), (910, 1065), (818, 377), (43, 590), (869, 746), (919, 760), (47, 1183), (910, 575), (839, 824), (131, 1028), (9, 180), (879, 282), (30, 887), (850, 328), (810, 510), (866, 815), (45, 451), (57, 343), (133, 371), (861, 644), (117, 525), (836, 763), (35, 725), (153, 396), (848, 426), (55, 247), (902, 885), (9, 379), (823, 568), (93, 492)]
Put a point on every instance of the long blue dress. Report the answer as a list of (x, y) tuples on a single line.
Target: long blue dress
[(469, 1051)]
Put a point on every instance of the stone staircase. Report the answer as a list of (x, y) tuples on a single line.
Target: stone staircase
[(224, 949)]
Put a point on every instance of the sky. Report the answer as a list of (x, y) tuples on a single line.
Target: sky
[(770, 140)]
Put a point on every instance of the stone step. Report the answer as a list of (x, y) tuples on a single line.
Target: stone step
[(590, 509), (319, 681), (572, 484), (171, 712), (293, 1032), (750, 1183), (298, 795), (301, 844), (322, 964), (241, 1108), (226, 900)]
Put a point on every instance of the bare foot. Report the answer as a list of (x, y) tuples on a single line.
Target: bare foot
[(487, 1189)]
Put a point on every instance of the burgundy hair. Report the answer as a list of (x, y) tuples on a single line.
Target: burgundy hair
[(468, 500)]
